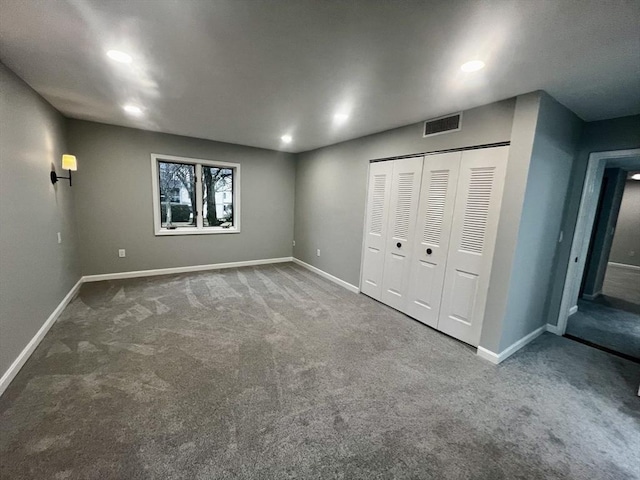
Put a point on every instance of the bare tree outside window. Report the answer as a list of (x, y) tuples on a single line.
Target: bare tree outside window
[(195, 196), (177, 194), (218, 196)]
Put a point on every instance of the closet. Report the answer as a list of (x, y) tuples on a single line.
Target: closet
[(430, 231)]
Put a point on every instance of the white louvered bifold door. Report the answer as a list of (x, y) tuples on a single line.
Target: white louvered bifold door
[(433, 229), (376, 228), (473, 235), (403, 207)]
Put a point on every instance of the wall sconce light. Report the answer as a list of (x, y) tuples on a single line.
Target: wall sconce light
[(70, 163)]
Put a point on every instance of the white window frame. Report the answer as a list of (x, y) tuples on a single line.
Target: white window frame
[(199, 229)]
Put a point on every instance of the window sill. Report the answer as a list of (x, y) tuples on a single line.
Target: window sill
[(196, 231)]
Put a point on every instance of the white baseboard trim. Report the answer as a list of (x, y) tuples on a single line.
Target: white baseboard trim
[(588, 296), (553, 329), (573, 310), (172, 270), (328, 276), (510, 350), (624, 266), (18, 363), (488, 355)]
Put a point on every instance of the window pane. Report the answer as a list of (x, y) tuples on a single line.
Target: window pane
[(177, 195), (217, 197)]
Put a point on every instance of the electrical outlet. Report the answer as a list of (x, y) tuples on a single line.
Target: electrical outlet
[(317, 252), (122, 253), (59, 237), (294, 243), (632, 253)]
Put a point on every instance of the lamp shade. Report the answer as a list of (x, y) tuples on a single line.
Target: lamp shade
[(69, 162)]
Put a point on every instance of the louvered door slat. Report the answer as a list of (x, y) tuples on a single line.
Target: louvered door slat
[(405, 201), (436, 200), (378, 203)]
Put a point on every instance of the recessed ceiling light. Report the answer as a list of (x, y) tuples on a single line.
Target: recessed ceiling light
[(286, 138), (133, 110), (472, 66), (340, 118), (119, 56), (635, 176)]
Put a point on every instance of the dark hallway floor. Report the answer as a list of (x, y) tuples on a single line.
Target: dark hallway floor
[(273, 372), (601, 324)]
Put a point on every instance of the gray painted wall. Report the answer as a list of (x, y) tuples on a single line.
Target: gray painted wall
[(523, 130), (35, 271), (627, 234), (114, 201), (615, 134), (557, 134), (331, 184)]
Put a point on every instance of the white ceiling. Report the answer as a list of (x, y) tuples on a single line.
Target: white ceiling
[(249, 71)]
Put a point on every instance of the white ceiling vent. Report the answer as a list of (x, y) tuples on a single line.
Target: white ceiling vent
[(437, 126)]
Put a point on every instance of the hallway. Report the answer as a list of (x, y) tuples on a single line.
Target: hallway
[(604, 326)]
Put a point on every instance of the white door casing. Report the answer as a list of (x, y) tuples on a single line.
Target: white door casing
[(403, 209), (431, 238), (376, 224), (471, 247), (596, 165)]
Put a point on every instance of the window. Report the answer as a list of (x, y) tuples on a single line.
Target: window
[(192, 196)]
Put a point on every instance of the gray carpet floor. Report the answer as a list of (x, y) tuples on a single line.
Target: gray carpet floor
[(608, 327), (616, 303), (273, 373)]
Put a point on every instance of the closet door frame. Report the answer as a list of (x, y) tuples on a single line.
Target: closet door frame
[(499, 202)]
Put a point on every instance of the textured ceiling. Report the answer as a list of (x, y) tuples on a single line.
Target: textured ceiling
[(249, 71)]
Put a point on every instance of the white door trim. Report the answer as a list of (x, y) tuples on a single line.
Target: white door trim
[(584, 226), (364, 229)]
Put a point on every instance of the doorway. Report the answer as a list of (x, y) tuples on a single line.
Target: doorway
[(601, 297)]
